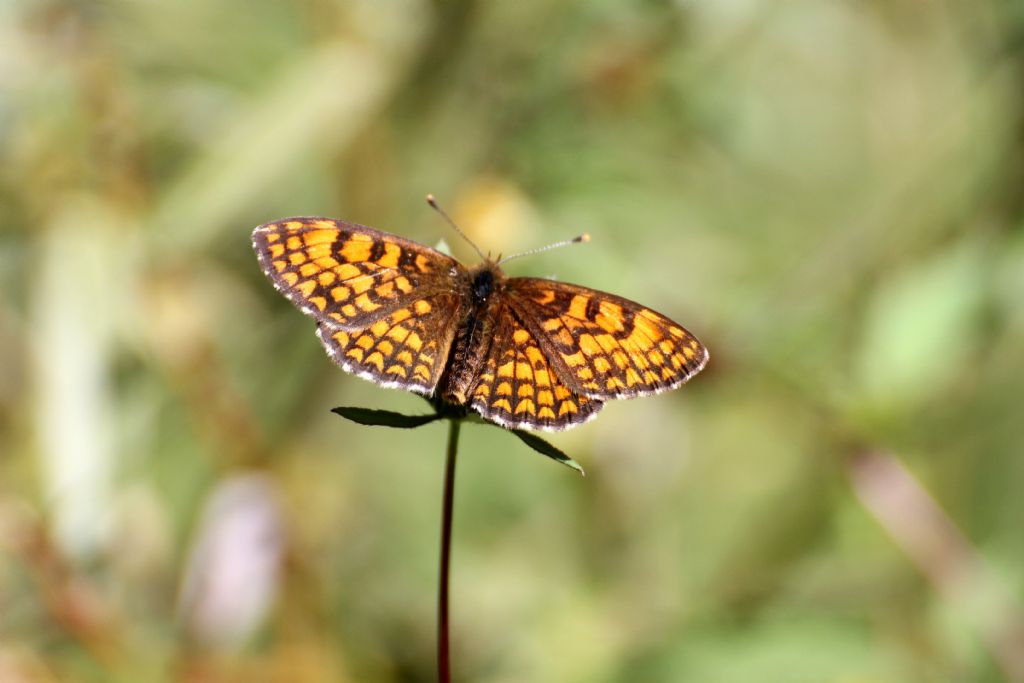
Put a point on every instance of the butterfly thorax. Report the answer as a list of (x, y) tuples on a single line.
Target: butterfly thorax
[(483, 286)]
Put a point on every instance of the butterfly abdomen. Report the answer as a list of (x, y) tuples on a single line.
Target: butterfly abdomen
[(475, 332)]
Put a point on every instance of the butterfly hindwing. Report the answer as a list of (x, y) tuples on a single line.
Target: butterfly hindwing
[(605, 346), (347, 275), (518, 388), (406, 349)]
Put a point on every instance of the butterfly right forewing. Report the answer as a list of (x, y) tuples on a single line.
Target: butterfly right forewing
[(605, 346)]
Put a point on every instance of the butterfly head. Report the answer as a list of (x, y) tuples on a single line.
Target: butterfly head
[(484, 280)]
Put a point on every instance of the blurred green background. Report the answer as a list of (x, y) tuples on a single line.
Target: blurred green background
[(827, 193)]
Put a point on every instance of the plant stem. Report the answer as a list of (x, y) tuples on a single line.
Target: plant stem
[(443, 663)]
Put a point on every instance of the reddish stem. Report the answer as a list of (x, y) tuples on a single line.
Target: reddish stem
[(443, 660)]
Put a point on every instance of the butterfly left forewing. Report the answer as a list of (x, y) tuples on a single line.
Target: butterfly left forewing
[(605, 346), (386, 307), (347, 275)]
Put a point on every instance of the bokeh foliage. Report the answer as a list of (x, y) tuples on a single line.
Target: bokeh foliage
[(826, 193)]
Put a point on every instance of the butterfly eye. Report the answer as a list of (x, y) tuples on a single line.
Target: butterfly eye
[(483, 285)]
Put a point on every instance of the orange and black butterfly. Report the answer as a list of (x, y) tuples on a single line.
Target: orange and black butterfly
[(526, 353)]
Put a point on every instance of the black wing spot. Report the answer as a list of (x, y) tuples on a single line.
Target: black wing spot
[(377, 250)]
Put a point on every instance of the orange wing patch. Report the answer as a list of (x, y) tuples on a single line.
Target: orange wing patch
[(406, 350), (604, 346), (347, 275), (517, 387)]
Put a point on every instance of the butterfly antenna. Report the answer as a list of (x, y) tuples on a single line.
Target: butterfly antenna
[(564, 243), (433, 203)]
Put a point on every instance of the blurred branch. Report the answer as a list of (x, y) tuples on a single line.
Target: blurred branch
[(933, 543), (921, 529), (70, 601), (322, 102)]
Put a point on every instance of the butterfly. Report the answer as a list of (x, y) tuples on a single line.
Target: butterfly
[(523, 352)]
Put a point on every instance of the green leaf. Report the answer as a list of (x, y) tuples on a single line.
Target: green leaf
[(922, 327), (544, 448), (384, 418)]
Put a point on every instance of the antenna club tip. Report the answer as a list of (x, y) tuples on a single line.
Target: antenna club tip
[(585, 237), (431, 200)]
